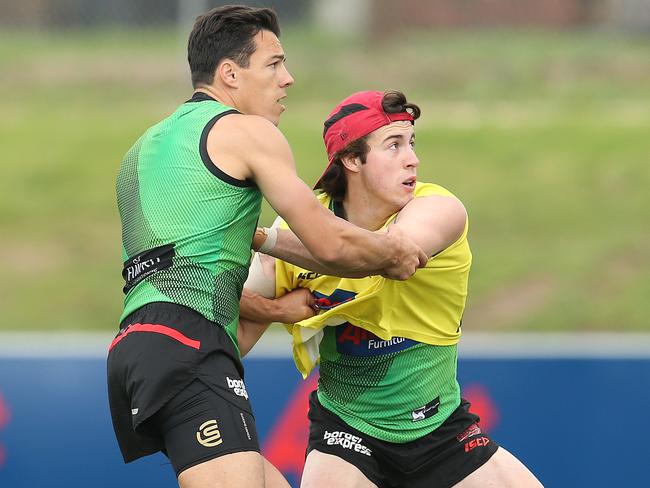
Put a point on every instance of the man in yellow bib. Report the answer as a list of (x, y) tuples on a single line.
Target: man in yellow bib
[(388, 410)]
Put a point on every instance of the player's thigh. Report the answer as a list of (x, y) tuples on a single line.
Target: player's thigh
[(199, 425), (328, 471), (272, 476), (240, 469), (502, 470)]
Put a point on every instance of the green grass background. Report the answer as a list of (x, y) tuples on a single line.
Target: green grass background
[(544, 136)]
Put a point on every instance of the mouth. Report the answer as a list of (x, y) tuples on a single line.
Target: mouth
[(410, 182)]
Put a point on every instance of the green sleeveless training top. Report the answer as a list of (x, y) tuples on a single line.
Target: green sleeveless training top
[(187, 227), (397, 390), (401, 389)]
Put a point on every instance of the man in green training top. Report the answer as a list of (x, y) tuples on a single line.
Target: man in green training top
[(189, 194)]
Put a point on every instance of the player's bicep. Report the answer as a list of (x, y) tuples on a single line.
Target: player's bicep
[(275, 175), (433, 222), (289, 196), (273, 168)]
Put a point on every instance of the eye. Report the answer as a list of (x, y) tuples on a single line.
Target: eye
[(393, 145)]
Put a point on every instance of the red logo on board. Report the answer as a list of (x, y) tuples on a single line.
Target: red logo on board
[(482, 405), (286, 443), (4, 420)]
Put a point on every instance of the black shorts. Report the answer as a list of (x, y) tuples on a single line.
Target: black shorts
[(175, 384), (438, 460)]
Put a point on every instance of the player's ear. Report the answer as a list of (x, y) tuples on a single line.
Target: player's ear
[(227, 72), (351, 163)]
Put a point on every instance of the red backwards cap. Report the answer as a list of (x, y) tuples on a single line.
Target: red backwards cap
[(358, 115)]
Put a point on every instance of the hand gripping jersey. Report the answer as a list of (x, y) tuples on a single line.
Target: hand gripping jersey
[(387, 349), (187, 227)]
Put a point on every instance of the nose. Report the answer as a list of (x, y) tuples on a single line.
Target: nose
[(286, 80), (411, 159)]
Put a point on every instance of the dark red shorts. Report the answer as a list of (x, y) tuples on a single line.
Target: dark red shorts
[(175, 384)]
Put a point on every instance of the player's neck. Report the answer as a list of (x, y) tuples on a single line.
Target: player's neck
[(361, 211), (219, 95)]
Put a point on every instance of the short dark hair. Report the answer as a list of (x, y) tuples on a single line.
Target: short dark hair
[(226, 32), (334, 181)]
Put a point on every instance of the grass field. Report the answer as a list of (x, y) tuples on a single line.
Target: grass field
[(545, 137)]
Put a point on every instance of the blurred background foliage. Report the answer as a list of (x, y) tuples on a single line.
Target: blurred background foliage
[(542, 130)]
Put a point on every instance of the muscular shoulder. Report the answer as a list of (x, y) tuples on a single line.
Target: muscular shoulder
[(247, 133), (435, 218), (423, 189), (237, 142)]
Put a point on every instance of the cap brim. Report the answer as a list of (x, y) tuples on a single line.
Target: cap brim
[(320, 180)]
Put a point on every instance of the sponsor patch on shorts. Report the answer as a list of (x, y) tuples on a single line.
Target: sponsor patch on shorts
[(346, 441), (237, 386), (478, 442), (209, 434), (472, 430)]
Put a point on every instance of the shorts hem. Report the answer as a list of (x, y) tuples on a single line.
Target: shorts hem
[(142, 454), (457, 480), (372, 479)]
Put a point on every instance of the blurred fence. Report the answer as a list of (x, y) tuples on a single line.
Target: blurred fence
[(91, 13), (380, 17)]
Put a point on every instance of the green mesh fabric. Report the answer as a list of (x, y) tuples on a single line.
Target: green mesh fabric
[(167, 195), (377, 395)]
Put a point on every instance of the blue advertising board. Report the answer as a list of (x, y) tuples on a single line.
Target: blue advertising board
[(574, 421)]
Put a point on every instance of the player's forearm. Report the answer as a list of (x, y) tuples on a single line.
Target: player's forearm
[(248, 333), (363, 253), (257, 308), (255, 315), (391, 254), (347, 256)]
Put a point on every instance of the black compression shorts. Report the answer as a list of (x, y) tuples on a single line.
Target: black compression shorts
[(175, 384), (438, 460)]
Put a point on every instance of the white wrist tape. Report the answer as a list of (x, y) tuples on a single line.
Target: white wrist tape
[(271, 239), (261, 276)]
